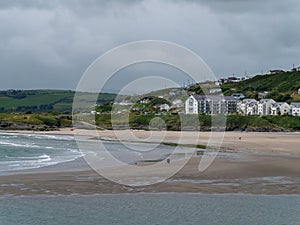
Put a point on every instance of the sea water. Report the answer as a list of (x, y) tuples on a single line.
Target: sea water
[(20, 152), (27, 151), (151, 209)]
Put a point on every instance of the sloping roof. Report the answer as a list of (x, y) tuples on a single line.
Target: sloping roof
[(265, 100), (295, 104), (248, 100), (277, 104), (252, 104), (205, 97), (199, 97), (239, 95), (214, 98), (230, 98)]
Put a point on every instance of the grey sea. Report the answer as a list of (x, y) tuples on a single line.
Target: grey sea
[(22, 152), (151, 209), (19, 152)]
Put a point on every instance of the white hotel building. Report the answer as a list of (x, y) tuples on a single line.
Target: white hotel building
[(210, 104)]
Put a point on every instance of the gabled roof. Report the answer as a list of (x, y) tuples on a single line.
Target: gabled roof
[(199, 97), (252, 104), (265, 100), (248, 100), (295, 104), (278, 104)]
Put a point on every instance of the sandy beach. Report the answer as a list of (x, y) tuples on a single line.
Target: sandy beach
[(276, 142), (252, 163)]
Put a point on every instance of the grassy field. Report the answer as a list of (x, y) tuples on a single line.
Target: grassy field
[(38, 97), (281, 87), (39, 119), (46, 100)]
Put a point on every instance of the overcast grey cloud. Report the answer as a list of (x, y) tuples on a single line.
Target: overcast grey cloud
[(49, 44)]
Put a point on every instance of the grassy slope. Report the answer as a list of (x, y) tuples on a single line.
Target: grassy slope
[(233, 122), (38, 97), (60, 99), (172, 122), (36, 119), (283, 83)]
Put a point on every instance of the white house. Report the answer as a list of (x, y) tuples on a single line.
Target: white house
[(191, 105), (264, 106), (238, 95), (262, 95), (164, 107), (243, 105), (271, 72), (215, 90), (295, 108), (294, 69), (124, 103), (145, 101), (280, 108), (93, 112), (177, 103)]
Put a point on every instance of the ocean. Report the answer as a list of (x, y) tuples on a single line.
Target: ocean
[(151, 209), (20, 152), (27, 151)]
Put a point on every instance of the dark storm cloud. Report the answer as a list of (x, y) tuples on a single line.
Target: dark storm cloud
[(49, 44)]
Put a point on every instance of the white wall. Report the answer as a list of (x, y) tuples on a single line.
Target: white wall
[(191, 109)]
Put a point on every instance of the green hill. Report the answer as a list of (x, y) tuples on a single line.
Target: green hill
[(281, 87), (43, 100)]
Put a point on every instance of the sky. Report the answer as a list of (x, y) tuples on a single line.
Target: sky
[(49, 44)]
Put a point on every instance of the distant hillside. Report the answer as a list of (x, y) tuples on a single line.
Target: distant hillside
[(43, 100), (281, 87)]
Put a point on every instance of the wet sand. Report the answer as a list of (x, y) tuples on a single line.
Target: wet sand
[(252, 163), (260, 175)]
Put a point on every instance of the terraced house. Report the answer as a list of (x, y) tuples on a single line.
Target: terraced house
[(247, 106), (280, 108), (264, 107), (295, 109), (216, 104)]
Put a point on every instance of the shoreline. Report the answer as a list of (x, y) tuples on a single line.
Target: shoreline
[(255, 164), (264, 142), (150, 193)]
